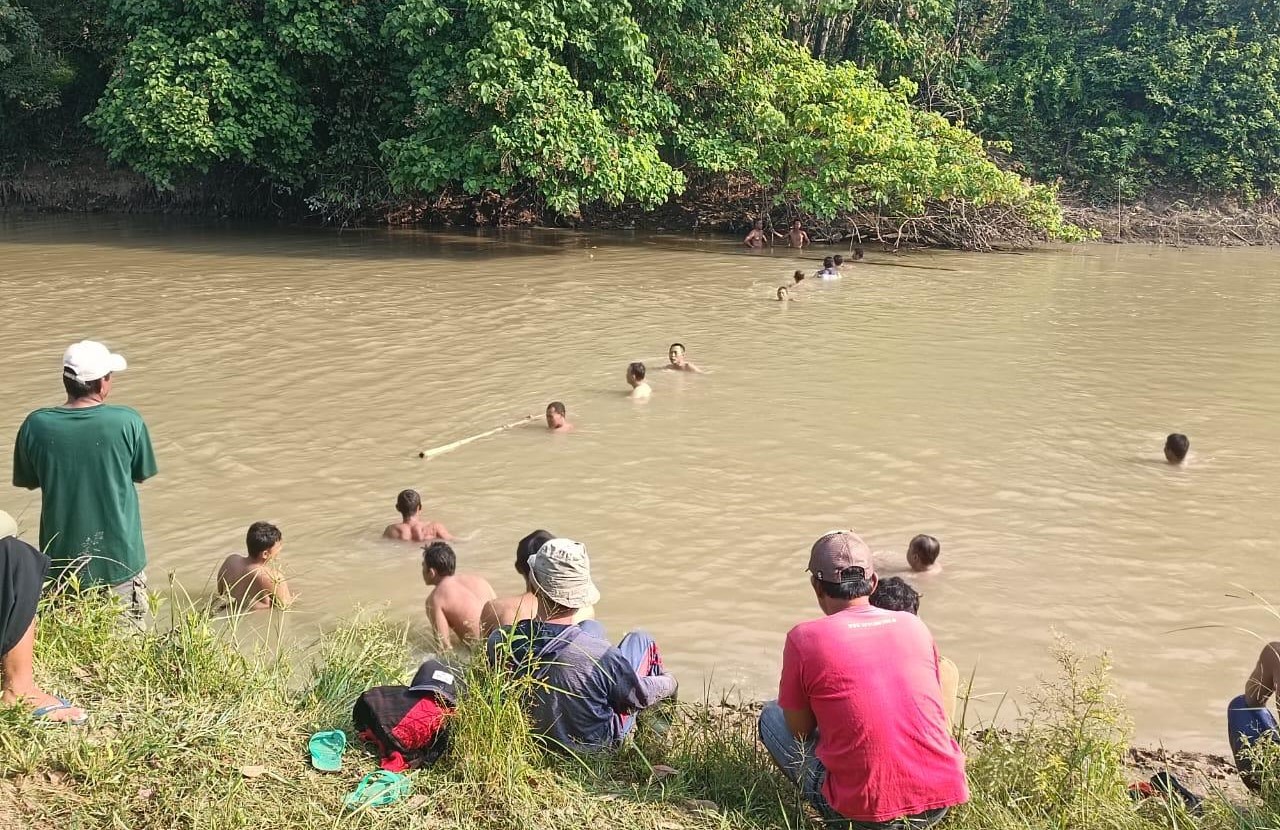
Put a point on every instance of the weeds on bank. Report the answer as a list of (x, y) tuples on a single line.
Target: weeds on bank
[(190, 732)]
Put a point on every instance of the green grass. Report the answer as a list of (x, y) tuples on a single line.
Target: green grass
[(181, 713)]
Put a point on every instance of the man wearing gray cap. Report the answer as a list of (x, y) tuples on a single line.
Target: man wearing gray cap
[(859, 724), (586, 692), (85, 458)]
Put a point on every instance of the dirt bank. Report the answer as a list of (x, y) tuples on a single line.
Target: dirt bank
[(89, 184)]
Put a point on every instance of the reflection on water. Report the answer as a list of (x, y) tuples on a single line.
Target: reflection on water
[(1014, 406)]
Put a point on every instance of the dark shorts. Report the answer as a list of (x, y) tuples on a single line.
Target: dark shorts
[(22, 572)]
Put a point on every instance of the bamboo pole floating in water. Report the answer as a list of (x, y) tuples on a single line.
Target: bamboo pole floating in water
[(432, 453)]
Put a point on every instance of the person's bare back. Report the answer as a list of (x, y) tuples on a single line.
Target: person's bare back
[(456, 605), (505, 611), (249, 585), (416, 530)]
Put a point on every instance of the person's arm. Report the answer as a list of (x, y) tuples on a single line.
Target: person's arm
[(793, 698), (694, 369), (144, 458), (281, 596), (628, 692), (441, 532), (24, 470), (440, 622), (1261, 684)]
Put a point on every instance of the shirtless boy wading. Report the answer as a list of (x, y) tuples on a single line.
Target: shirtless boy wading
[(456, 601), (412, 527)]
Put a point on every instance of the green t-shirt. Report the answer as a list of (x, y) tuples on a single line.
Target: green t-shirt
[(85, 462)]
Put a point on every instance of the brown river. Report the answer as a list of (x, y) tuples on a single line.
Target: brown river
[(1013, 405)]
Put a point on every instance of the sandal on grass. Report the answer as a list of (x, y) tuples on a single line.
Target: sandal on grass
[(378, 789), (42, 714)]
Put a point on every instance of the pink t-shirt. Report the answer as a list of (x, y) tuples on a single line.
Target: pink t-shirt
[(870, 677)]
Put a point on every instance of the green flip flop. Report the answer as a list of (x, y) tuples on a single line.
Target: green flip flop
[(326, 750), (378, 789)]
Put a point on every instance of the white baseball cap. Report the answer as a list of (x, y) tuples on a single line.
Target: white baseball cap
[(89, 360)]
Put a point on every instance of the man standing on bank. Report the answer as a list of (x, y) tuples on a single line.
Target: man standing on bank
[(85, 457), (859, 724)]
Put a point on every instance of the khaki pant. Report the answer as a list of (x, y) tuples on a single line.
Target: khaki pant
[(137, 605)]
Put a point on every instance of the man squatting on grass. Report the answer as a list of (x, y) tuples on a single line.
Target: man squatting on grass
[(588, 692), (859, 723)]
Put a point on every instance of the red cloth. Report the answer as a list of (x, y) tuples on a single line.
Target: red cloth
[(870, 677), (420, 724)]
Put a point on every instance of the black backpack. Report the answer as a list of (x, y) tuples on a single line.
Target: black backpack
[(409, 724)]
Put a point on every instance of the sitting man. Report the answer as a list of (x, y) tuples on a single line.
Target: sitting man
[(586, 692), (22, 573), (859, 723), (1248, 718), (509, 610), (456, 600)]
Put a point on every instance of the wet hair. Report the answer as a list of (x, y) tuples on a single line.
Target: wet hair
[(1176, 446), (262, 537), (926, 549), (759, 223), (853, 584), (828, 262), (408, 502), (797, 276), (77, 390), (782, 289), (679, 346), (440, 558), (896, 594), (636, 370), (839, 260), (528, 546), (556, 407)]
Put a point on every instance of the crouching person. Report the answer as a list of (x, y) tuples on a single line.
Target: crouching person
[(859, 724), (587, 692)]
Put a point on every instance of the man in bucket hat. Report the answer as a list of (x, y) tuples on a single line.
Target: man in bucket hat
[(586, 692), (86, 457), (859, 723)]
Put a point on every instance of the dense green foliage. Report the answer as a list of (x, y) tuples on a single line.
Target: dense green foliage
[(348, 103)]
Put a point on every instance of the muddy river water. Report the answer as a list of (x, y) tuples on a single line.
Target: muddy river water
[(1013, 405)]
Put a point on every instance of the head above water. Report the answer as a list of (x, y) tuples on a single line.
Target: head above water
[(828, 262), (438, 562), (758, 224), (528, 546), (409, 503), (896, 594), (783, 293), (798, 276), (676, 354), (1176, 447), (87, 368), (841, 571), (922, 552), (857, 253), (263, 540), (635, 373), (555, 414), (796, 224), (838, 259)]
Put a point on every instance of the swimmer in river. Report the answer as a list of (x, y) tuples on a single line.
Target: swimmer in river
[(1176, 447), (783, 294), (839, 263), (253, 582), (828, 270), (755, 237), (411, 527), (798, 238), (635, 378), (857, 254), (678, 364), (556, 420), (457, 600), (798, 276), (922, 554)]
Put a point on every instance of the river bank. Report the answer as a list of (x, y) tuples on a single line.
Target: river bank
[(189, 731), (88, 184)]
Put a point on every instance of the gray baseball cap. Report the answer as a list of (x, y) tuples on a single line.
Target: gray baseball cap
[(561, 571), (837, 551)]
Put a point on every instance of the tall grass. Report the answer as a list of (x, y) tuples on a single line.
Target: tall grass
[(189, 731)]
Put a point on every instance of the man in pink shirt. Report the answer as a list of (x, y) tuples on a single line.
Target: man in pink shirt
[(859, 723)]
